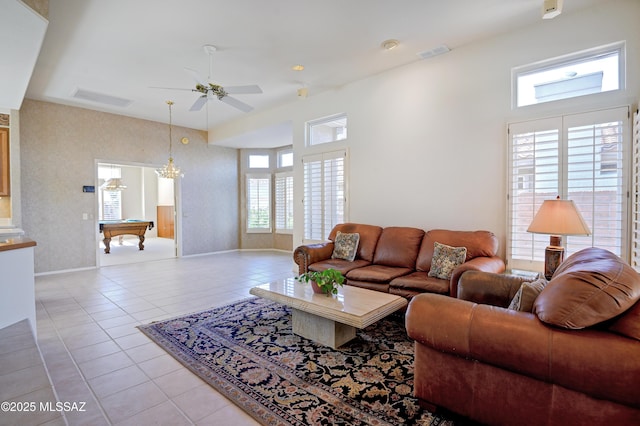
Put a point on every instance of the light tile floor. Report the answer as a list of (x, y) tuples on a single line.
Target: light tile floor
[(94, 353)]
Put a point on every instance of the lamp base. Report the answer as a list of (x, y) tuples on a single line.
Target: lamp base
[(553, 256)]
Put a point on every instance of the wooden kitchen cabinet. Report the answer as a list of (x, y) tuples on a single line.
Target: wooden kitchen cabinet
[(165, 222)]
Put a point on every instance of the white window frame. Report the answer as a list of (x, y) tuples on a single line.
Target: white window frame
[(325, 193), (281, 155), (554, 174), (250, 178), (256, 155), (284, 202), (572, 60), (330, 124), (635, 194)]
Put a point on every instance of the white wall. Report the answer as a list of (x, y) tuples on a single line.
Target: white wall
[(165, 192), (132, 198), (428, 141)]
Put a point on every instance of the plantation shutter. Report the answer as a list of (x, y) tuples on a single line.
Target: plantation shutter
[(580, 157), (110, 201), (111, 205), (533, 178), (596, 178), (635, 222), (258, 203), (284, 202), (324, 193)]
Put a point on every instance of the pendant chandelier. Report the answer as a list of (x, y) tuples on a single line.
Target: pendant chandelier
[(169, 170)]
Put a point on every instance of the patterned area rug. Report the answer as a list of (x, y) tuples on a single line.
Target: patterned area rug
[(248, 352)]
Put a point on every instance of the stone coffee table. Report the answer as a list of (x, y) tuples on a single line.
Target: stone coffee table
[(330, 320)]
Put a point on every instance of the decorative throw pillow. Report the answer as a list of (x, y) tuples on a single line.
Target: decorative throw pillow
[(345, 246), (526, 295), (445, 260)]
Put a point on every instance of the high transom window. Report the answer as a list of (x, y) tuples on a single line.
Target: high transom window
[(584, 73), (328, 129)]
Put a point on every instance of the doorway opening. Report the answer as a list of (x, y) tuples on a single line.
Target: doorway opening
[(132, 194)]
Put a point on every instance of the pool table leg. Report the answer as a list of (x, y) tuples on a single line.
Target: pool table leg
[(141, 241), (107, 244)]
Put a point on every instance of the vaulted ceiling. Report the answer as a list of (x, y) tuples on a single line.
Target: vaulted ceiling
[(130, 51)]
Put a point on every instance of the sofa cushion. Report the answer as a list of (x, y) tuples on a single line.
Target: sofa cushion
[(445, 260), (398, 246), (591, 286), (377, 273), (341, 265), (527, 295), (628, 324), (477, 243), (345, 246), (420, 282), (369, 235)]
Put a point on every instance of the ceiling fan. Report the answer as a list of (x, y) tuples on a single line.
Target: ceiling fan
[(211, 91)]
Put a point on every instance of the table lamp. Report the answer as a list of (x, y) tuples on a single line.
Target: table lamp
[(557, 218)]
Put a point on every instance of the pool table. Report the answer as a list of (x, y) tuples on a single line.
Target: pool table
[(113, 228)]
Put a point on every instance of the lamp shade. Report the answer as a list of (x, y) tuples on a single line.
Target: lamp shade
[(559, 217)]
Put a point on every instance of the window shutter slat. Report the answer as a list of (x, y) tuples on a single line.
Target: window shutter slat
[(324, 194), (578, 157)]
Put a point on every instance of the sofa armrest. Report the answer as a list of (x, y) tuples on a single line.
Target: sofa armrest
[(595, 362), (311, 253), (489, 288), (487, 264)]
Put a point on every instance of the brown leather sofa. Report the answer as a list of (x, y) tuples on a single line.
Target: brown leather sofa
[(397, 260), (574, 360)]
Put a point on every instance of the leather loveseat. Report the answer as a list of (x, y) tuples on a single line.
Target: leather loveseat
[(573, 360), (398, 260)]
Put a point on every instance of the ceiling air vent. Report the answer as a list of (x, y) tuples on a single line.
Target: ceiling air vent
[(433, 52), (87, 95)]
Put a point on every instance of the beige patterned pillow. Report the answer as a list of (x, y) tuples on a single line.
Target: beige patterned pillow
[(445, 260), (526, 295), (345, 246)]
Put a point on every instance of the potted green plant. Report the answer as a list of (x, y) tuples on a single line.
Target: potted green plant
[(326, 281)]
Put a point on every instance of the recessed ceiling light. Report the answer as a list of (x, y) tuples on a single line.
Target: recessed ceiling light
[(390, 44), (297, 67)]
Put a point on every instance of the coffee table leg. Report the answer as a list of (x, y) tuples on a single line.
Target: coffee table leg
[(321, 330)]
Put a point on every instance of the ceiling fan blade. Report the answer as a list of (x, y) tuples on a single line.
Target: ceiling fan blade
[(243, 90), (194, 74), (237, 104), (199, 103), (169, 88)]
